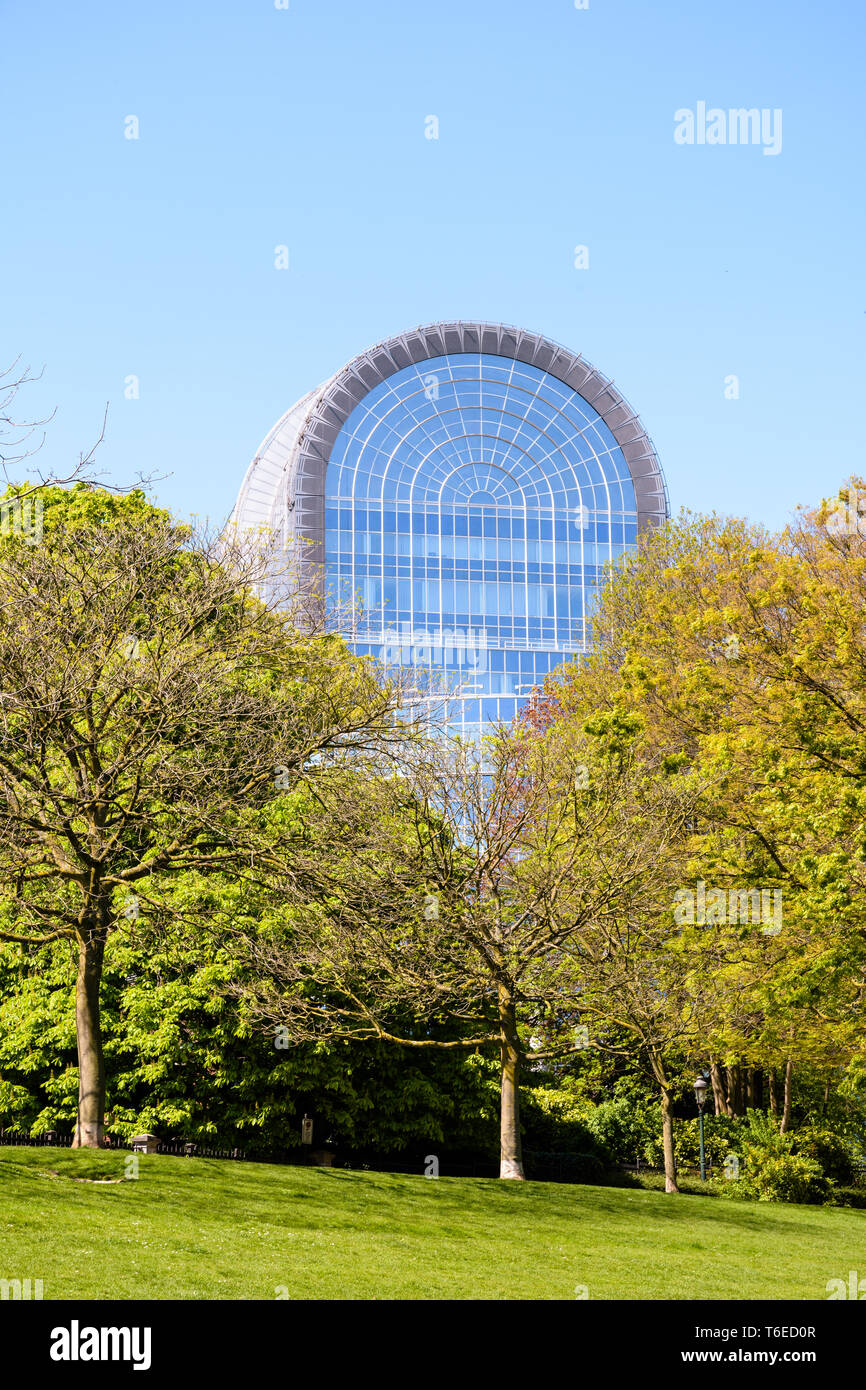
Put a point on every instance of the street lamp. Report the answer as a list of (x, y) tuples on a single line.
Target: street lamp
[(701, 1098)]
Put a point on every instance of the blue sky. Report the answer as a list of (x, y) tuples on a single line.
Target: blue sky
[(305, 127)]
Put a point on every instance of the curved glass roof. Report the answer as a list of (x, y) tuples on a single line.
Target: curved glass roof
[(476, 427)]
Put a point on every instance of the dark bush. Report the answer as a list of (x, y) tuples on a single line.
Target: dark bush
[(829, 1149), (563, 1167)]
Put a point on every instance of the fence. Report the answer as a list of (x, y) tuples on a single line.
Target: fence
[(546, 1172), (298, 1158), (684, 1170), (47, 1140), (179, 1147)]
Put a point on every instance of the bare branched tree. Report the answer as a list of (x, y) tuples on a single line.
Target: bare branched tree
[(440, 908), (16, 434)]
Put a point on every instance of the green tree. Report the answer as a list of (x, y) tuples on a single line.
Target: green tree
[(182, 1060), (150, 704), (742, 655)]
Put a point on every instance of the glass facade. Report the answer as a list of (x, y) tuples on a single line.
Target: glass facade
[(471, 502)]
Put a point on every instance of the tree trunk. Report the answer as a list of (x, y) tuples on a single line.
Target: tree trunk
[(89, 1131), (510, 1151), (786, 1109), (774, 1098), (718, 1089), (658, 1071), (730, 1090), (668, 1140), (754, 1088), (735, 1090)]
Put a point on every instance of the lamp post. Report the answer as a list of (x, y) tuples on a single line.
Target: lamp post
[(701, 1098)]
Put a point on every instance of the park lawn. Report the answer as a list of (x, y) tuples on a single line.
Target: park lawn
[(204, 1229)]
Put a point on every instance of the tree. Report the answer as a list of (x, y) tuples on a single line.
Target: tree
[(15, 446), (424, 909), (181, 1059), (742, 654), (636, 976), (150, 704)]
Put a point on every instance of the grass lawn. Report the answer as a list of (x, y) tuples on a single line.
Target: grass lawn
[(204, 1229)]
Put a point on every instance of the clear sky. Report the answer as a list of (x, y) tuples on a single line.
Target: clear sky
[(306, 127)]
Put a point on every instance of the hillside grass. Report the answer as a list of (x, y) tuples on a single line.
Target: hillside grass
[(206, 1229)]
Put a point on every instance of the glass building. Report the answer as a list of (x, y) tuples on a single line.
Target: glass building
[(463, 485)]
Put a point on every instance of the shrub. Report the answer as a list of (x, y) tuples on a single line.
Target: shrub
[(778, 1177), (762, 1132), (849, 1197), (624, 1130), (828, 1149), (564, 1167), (770, 1169), (721, 1136), (556, 1122)]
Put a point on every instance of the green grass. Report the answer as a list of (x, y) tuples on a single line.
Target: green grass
[(203, 1229)]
